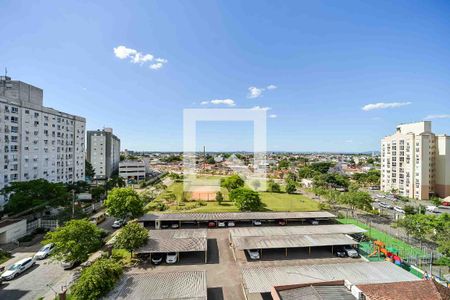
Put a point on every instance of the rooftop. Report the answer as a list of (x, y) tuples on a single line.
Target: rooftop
[(179, 240), (418, 290)]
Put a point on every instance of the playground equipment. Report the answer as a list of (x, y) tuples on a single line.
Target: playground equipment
[(390, 253)]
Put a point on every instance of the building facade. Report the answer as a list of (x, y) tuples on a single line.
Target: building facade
[(415, 162), (36, 141), (132, 169), (103, 152)]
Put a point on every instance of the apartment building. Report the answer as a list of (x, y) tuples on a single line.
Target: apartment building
[(415, 162), (37, 141), (132, 169), (103, 152)]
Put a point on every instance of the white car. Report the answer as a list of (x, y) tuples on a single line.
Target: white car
[(231, 224), (385, 205), (432, 208), (118, 223), (45, 251), (351, 252), (221, 224), (256, 223), (254, 254), (172, 257), (313, 221), (19, 267), (399, 209)]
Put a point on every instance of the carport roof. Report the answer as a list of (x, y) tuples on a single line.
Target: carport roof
[(261, 280), (179, 240), (291, 241), (237, 216), (269, 231), (189, 285)]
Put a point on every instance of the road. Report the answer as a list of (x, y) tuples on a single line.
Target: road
[(44, 278)]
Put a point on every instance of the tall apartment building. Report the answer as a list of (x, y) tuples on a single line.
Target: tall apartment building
[(416, 162), (37, 141), (103, 152)]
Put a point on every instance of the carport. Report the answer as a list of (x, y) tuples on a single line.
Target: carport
[(178, 240), (292, 237)]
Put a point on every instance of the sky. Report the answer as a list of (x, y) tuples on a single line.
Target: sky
[(331, 75)]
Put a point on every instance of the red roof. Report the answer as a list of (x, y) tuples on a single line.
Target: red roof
[(417, 290)]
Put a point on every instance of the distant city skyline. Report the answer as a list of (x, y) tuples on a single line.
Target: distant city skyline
[(332, 79)]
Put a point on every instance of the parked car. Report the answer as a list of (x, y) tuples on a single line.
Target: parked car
[(399, 209), (313, 221), (118, 223), (231, 224), (45, 251), (157, 258), (172, 257), (211, 224), (221, 224), (67, 265), (432, 208), (385, 205), (164, 226), (19, 267), (281, 222), (340, 251), (256, 223), (254, 254), (175, 226), (351, 252)]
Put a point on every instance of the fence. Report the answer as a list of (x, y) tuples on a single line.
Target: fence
[(41, 223), (93, 207)]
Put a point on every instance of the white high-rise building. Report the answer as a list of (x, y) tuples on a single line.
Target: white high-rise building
[(37, 141), (415, 162), (103, 152)]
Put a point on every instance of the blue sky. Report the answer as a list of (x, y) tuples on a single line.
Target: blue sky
[(327, 60)]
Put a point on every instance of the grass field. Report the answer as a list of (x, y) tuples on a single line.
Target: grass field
[(271, 201)]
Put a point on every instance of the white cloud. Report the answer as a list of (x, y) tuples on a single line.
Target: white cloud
[(431, 117), (229, 102), (384, 105), (273, 116), (254, 92), (271, 87), (260, 108), (349, 141), (137, 57)]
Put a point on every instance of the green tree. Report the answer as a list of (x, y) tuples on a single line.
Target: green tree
[(89, 170), (307, 172), (283, 164), (409, 210), (115, 181), (232, 182), (356, 200), (417, 225), (273, 187), (246, 199), (124, 202), (219, 197), (131, 237), (75, 240), (97, 192), (290, 187), (321, 167), (96, 280), (23, 195)]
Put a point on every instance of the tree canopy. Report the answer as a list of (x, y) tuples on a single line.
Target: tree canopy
[(96, 280), (273, 187), (232, 182), (124, 202), (354, 200), (27, 194), (75, 240), (89, 170), (131, 237), (290, 187), (371, 178), (246, 199)]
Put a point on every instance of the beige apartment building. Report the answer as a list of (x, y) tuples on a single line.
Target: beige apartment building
[(415, 162)]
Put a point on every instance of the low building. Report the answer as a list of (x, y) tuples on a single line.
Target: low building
[(11, 230), (132, 170)]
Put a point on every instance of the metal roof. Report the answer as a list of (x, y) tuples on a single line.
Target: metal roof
[(179, 240), (268, 231), (291, 241), (190, 285), (312, 292), (237, 216), (261, 280)]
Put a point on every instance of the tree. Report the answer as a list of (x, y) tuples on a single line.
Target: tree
[(321, 167), (273, 187), (96, 280), (219, 197), (283, 164), (115, 181), (124, 202), (354, 200), (89, 170), (131, 237), (75, 240), (232, 182), (97, 192), (27, 194), (246, 199), (409, 210), (417, 225), (290, 187)]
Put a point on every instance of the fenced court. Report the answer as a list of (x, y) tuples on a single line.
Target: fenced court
[(201, 189)]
